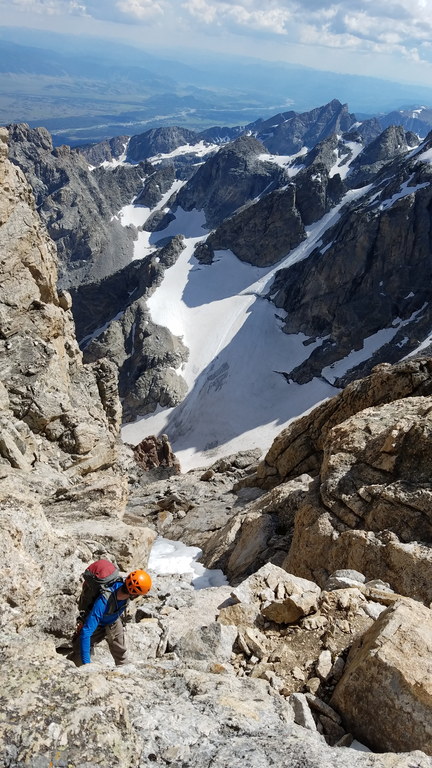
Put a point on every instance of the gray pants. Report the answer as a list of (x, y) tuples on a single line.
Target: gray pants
[(114, 635)]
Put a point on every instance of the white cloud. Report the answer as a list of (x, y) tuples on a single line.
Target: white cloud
[(399, 28), (202, 10), (140, 9), (389, 26), (103, 10), (47, 7), (239, 14)]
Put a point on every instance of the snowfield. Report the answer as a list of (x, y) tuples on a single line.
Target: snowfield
[(240, 395)]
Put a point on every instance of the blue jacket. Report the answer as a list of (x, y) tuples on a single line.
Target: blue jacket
[(105, 610)]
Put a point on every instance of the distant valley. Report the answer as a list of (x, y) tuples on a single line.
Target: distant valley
[(86, 91)]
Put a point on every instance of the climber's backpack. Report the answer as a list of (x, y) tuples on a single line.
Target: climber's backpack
[(97, 578)]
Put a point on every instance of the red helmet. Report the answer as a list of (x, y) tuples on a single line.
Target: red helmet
[(138, 583)]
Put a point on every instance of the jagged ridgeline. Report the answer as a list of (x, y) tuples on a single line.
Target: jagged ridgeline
[(324, 636), (332, 211)]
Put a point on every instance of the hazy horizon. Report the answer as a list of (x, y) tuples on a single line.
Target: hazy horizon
[(382, 40), (92, 70)]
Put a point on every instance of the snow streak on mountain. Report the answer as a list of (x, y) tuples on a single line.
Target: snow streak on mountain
[(238, 276), (238, 396), (240, 388)]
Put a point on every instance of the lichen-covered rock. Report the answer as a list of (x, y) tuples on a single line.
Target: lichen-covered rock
[(270, 580), (32, 552), (128, 545), (369, 464), (210, 643), (292, 608), (145, 714)]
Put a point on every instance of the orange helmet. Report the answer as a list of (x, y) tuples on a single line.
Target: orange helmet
[(138, 583)]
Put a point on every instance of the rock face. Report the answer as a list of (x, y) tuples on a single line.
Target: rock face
[(389, 672), (60, 455), (259, 533), (69, 415), (317, 192), (392, 142), (350, 487), (418, 121), (382, 448), (366, 506), (233, 177), (262, 232), (96, 304), (78, 206), (288, 132), (155, 186), (293, 131), (355, 284), (329, 149), (299, 447), (113, 321), (159, 140), (105, 151)]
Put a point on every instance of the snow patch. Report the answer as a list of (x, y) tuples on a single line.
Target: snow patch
[(370, 345), (404, 191), (137, 215), (115, 161), (359, 747), (200, 149), (285, 161), (343, 163), (425, 157), (171, 557)]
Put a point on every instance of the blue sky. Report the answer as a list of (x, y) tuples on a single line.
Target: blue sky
[(391, 39)]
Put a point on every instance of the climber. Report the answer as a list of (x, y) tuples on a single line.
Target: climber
[(103, 622)]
